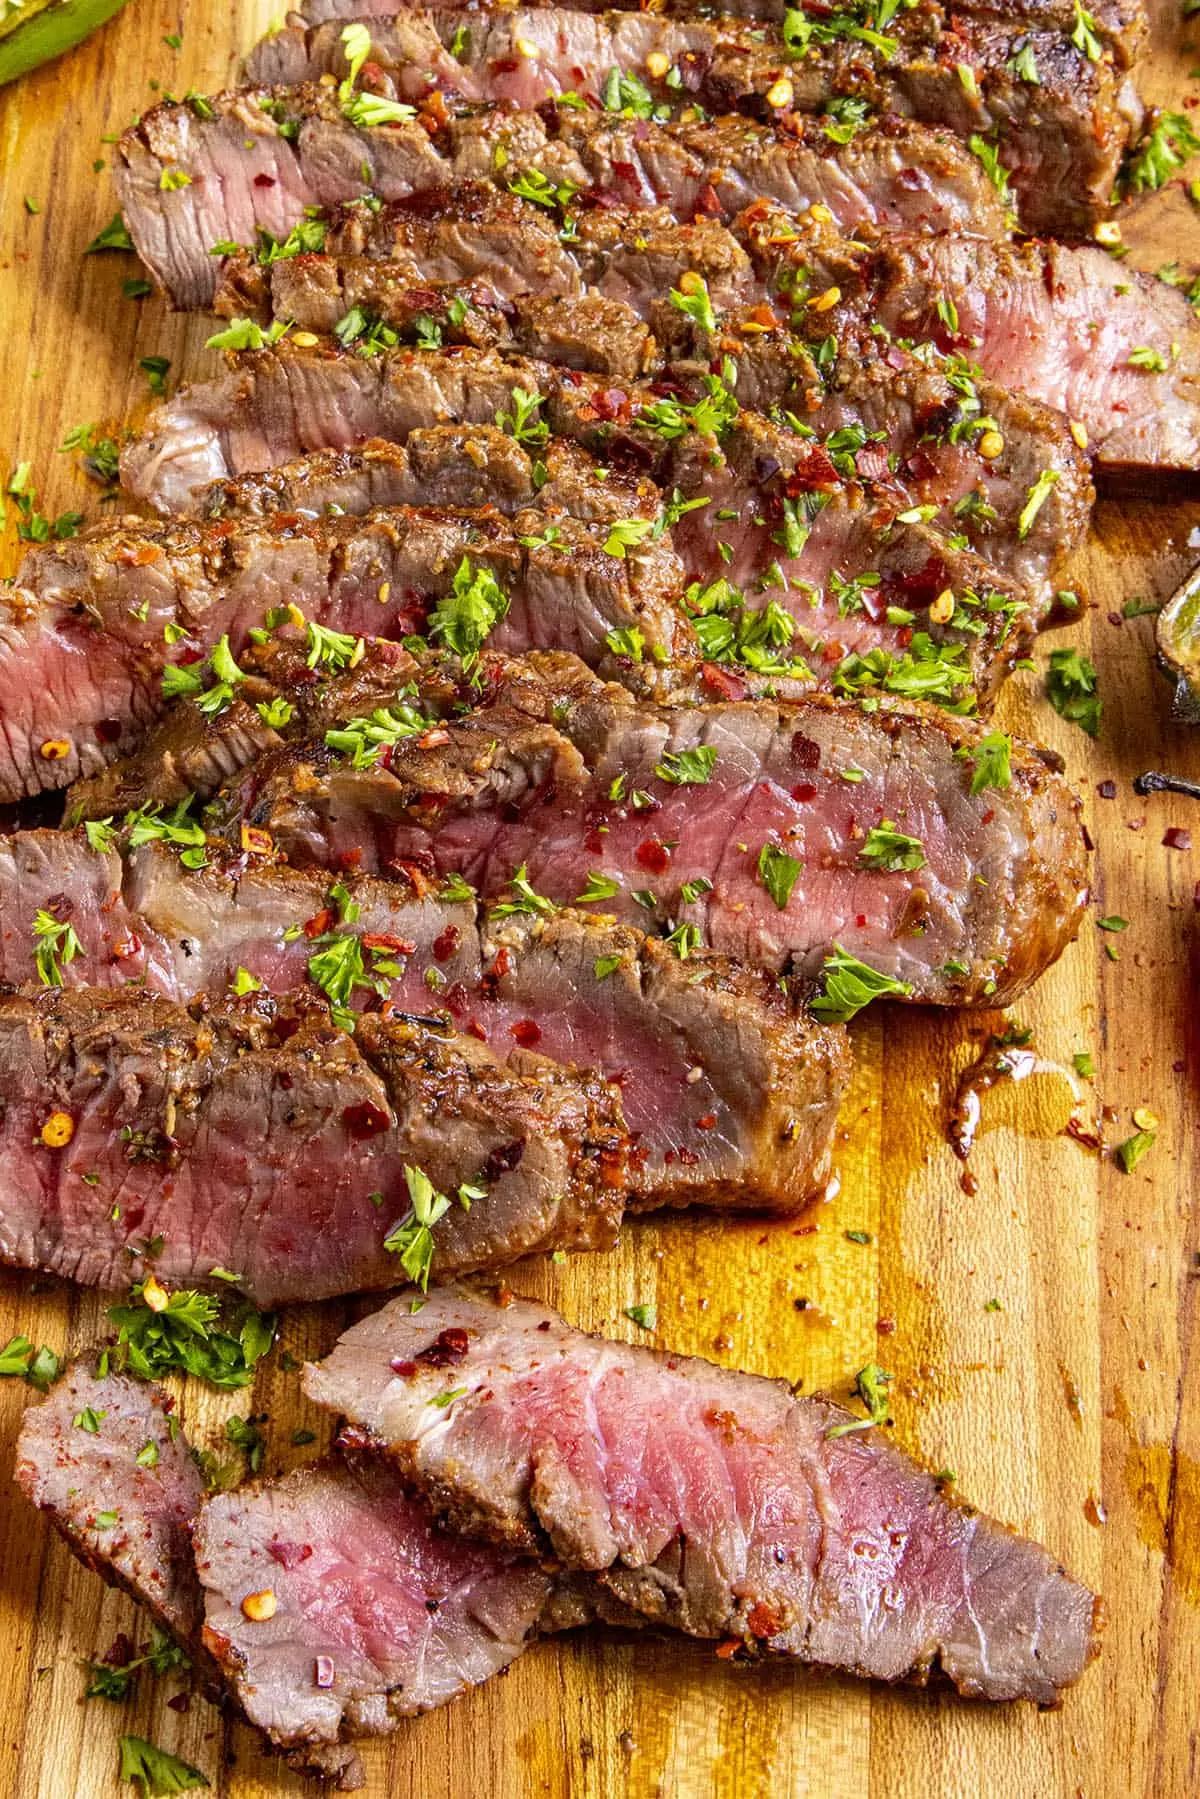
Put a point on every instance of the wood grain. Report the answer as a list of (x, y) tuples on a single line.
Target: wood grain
[(1077, 1400)]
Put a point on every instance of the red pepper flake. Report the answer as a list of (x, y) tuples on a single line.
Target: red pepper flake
[(445, 945), (804, 752), (448, 1346), (383, 940), (804, 791), (1175, 837), (365, 1120), (319, 923), (399, 1366), (264, 181), (525, 1032), (707, 1123), (289, 1555), (127, 947), (653, 855)]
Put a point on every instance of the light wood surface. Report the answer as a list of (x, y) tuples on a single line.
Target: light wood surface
[(1073, 1411)]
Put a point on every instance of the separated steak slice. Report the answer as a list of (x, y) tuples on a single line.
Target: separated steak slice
[(78, 1460), (1061, 137), (305, 151), (266, 1142), (442, 465), (992, 891), (729, 1089), (382, 574), (378, 1615), (712, 1501)]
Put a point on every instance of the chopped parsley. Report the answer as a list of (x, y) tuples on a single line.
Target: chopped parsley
[(114, 236), (364, 739), (56, 946), (1161, 153), (644, 1316), (849, 985), (476, 603), (887, 848), (155, 1771), (778, 873), (599, 887), (1071, 686), (991, 762), (871, 1385), (222, 1341), (524, 899), (19, 1360), (695, 303), (1038, 494), (246, 334), (412, 1238), (687, 768), (522, 422), (1130, 1153)]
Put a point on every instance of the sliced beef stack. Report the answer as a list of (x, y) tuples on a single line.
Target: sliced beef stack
[(1056, 105), (728, 1090)]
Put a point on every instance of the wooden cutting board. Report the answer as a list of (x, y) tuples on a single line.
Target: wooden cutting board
[(1041, 1331)]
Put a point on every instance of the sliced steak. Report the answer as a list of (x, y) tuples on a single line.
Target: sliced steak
[(713, 1501), (916, 423), (1071, 327), (1117, 350), (377, 1615), (264, 1142), (993, 891), (304, 150), (1060, 136), (767, 508), (127, 1515), (1122, 23), (72, 698), (729, 1090)]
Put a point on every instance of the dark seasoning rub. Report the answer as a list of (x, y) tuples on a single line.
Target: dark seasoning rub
[(546, 697)]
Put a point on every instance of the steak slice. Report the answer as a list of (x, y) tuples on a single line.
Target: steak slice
[(992, 893), (305, 151), (381, 574), (378, 1615), (128, 1518), (72, 698), (261, 1141), (713, 1501), (729, 1090), (1061, 137), (1069, 326), (439, 465), (1063, 325)]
